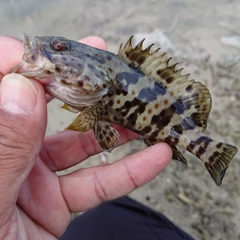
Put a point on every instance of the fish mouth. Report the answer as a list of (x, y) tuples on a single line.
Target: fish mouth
[(34, 63), (31, 47), (31, 64)]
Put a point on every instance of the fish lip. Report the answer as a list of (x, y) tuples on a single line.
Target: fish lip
[(32, 44), (35, 58), (31, 47)]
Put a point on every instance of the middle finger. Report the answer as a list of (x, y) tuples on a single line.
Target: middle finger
[(68, 148)]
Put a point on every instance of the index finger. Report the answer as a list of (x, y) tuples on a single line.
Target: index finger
[(11, 51)]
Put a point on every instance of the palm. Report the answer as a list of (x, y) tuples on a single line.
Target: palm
[(44, 201)]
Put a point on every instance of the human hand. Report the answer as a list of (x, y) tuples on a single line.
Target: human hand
[(35, 202)]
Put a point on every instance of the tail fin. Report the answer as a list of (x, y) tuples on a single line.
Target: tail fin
[(216, 156)]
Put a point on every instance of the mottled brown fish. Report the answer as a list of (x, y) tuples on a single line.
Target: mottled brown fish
[(135, 88)]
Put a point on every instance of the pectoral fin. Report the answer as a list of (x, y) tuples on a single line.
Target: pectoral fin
[(105, 134), (86, 120), (70, 109)]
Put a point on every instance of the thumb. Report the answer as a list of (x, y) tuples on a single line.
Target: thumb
[(22, 128)]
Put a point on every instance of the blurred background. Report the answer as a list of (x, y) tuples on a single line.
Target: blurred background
[(204, 37)]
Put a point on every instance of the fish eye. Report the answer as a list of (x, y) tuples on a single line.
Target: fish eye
[(58, 45)]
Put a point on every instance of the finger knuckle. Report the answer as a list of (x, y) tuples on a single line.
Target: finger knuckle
[(132, 180), (99, 189)]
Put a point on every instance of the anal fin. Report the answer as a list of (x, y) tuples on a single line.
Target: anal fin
[(177, 155), (148, 143)]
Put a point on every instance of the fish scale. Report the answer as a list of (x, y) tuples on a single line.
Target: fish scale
[(135, 88)]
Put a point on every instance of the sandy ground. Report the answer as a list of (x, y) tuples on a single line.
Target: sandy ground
[(192, 31)]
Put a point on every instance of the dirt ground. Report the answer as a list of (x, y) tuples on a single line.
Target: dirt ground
[(204, 37)]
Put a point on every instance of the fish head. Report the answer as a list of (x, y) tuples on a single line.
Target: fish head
[(66, 68)]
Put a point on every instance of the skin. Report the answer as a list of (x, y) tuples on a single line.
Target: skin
[(34, 201)]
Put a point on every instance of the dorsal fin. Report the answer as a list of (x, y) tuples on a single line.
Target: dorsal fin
[(193, 96)]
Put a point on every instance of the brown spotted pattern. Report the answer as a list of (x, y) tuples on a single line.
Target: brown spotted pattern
[(136, 88)]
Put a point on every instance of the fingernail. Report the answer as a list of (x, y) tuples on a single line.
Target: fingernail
[(18, 94)]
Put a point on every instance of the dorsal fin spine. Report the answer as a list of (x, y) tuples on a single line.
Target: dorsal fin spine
[(188, 92), (140, 44), (168, 60)]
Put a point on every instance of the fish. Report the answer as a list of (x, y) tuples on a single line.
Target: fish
[(136, 88)]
